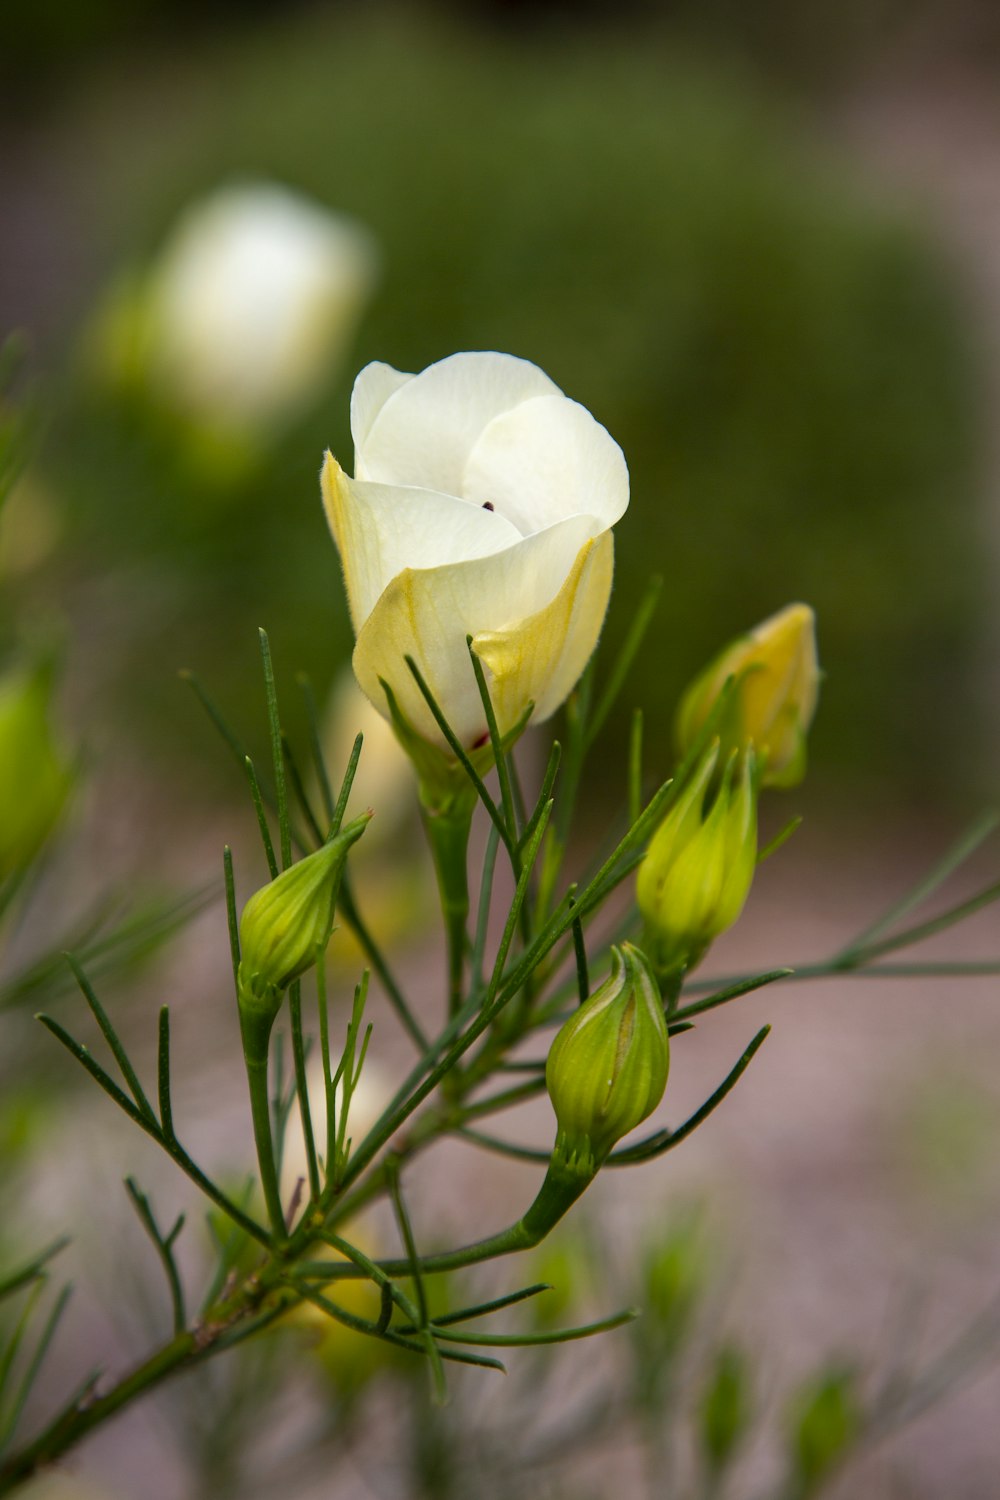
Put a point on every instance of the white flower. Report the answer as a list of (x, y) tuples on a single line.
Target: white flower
[(254, 298), (481, 506)]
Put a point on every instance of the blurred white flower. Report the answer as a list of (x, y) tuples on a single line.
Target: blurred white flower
[(481, 506), (253, 300)]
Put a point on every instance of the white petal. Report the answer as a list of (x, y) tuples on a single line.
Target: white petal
[(545, 460), (428, 613), (424, 432), (372, 389), (380, 530)]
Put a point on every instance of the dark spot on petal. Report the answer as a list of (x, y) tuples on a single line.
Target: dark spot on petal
[(488, 505), (483, 738)]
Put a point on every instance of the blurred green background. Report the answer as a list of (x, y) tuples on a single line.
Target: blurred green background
[(783, 350)]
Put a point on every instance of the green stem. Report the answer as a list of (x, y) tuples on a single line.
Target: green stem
[(77, 1420), (556, 1196), (262, 1299), (255, 1030), (448, 833), (87, 1411)]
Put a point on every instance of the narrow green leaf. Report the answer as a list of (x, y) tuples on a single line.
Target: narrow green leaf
[(151, 1126), (954, 857), (731, 992), (299, 789), (14, 1280), (407, 1236), (623, 661), (37, 1359), (316, 746), (504, 1100), (360, 1325), (258, 806), (93, 1067), (329, 1086), (483, 1309), (499, 755), (372, 1270), (459, 752), (548, 781), (483, 912), (780, 838), (216, 715), (346, 785), (580, 953), (385, 1311), (924, 930), (521, 891), (234, 927), (113, 1040), (164, 1249), (277, 755), (666, 1140), (528, 1340), (163, 1072), (503, 1148), (374, 956), (302, 1086)]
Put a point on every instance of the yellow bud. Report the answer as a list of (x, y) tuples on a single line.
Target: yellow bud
[(34, 777), (607, 1067), (697, 872), (772, 699), (286, 923)]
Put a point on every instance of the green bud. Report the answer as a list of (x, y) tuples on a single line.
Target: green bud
[(286, 923), (772, 698), (675, 1279), (697, 873), (607, 1067), (35, 779), (724, 1415), (826, 1424)]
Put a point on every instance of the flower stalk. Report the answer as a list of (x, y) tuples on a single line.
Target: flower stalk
[(448, 831)]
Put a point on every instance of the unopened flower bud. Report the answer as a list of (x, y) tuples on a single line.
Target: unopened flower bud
[(725, 1412), (697, 872), (772, 699), (34, 776), (286, 923), (826, 1422), (607, 1067)]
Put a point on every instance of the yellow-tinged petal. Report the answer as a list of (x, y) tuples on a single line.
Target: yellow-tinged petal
[(540, 660), (427, 614)]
